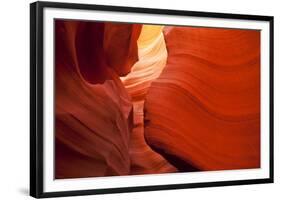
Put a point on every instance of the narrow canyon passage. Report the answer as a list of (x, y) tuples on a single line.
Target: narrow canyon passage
[(152, 60), (134, 99)]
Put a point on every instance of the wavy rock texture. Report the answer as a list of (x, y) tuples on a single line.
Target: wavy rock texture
[(203, 112), (144, 99), (152, 59), (93, 110)]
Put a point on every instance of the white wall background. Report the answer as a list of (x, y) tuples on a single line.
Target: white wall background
[(14, 100)]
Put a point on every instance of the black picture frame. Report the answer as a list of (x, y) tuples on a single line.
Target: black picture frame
[(36, 97)]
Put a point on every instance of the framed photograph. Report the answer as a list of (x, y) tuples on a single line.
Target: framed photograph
[(127, 99)]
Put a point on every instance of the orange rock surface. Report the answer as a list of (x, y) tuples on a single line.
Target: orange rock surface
[(136, 99), (204, 109)]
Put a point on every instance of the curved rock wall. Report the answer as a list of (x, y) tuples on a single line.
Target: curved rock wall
[(143, 99)]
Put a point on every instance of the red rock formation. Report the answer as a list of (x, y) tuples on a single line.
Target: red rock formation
[(93, 111), (201, 106), (203, 112)]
